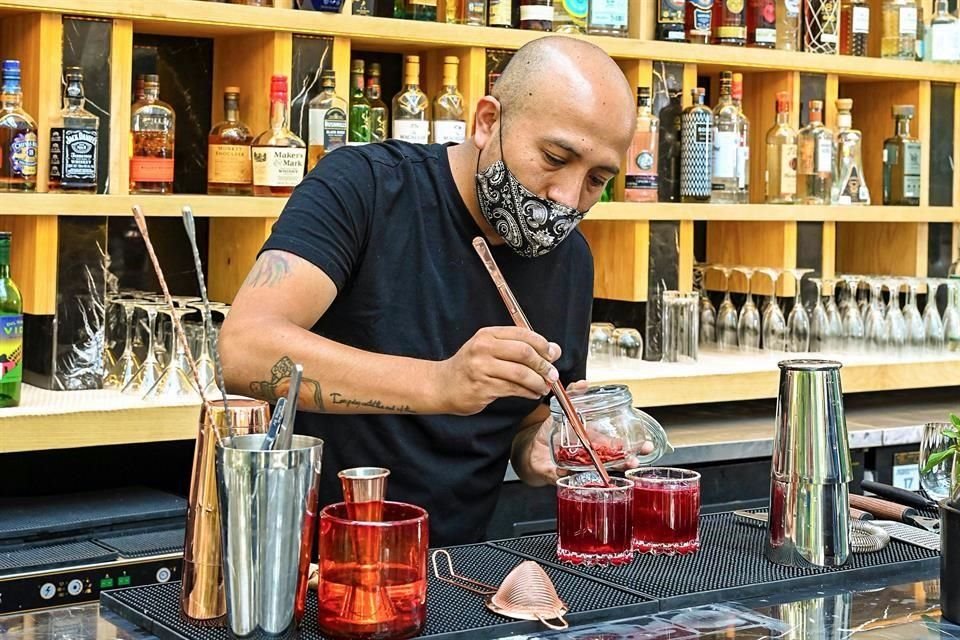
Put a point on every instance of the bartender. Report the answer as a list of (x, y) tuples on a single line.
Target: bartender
[(369, 280)]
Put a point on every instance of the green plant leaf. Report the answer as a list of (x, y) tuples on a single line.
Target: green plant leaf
[(936, 459), (955, 419), (951, 433)]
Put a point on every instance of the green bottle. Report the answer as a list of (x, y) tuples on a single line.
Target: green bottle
[(359, 120), (11, 330)]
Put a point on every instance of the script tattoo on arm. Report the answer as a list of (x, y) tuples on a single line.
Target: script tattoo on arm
[(279, 384), (270, 270), (352, 403)]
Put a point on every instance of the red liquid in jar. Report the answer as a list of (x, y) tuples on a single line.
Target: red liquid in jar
[(666, 518), (592, 530), (578, 455)]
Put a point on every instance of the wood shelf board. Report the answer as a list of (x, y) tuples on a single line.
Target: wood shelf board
[(68, 204), (189, 17)]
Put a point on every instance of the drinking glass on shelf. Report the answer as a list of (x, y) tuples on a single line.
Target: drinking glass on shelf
[(679, 330), (834, 318), (938, 481), (627, 343), (951, 316), (863, 297), (601, 341), (205, 366), (708, 314), (874, 325), (126, 366), (895, 332), (774, 322), (748, 325), (150, 370), (932, 322), (727, 313), (916, 332), (176, 381), (819, 323), (798, 322), (853, 329)]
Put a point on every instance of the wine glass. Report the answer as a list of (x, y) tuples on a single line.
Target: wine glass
[(874, 325), (932, 322), (819, 323), (176, 380), (798, 322), (937, 483), (774, 322), (853, 329), (916, 332), (708, 314), (150, 371), (206, 368), (895, 324), (748, 325), (951, 316), (126, 366), (601, 341), (727, 313), (834, 318)]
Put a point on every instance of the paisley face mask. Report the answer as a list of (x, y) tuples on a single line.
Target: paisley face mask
[(530, 225)]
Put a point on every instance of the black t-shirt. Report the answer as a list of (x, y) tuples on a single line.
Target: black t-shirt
[(386, 223)]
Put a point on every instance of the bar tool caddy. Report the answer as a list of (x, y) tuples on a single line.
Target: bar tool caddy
[(811, 469)]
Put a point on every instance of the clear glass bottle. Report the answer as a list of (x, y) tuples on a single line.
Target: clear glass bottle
[(821, 26), (536, 15), (943, 36), (726, 142), (229, 170), (18, 135), (640, 183), (425, 10), (379, 112), (919, 41), (788, 24), (411, 107), (696, 149), (279, 155), (359, 118), (698, 21), (850, 186), (472, 12), (11, 324), (899, 37), (762, 23), (743, 140), (730, 22), (901, 161), (449, 124), (73, 141), (670, 14), (855, 28), (781, 169), (500, 13), (328, 120), (570, 16), (608, 18), (815, 159), (152, 126)]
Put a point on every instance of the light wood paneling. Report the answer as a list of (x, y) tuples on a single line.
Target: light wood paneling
[(882, 248), (121, 96), (829, 247), (689, 83), (752, 244), (33, 260), (621, 255), (921, 129), (234, 244), (685, 265), (830, 102)]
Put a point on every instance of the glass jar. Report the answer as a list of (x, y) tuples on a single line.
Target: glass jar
[(616, 429)]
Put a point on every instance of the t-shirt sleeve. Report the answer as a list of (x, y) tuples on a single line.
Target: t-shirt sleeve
[(327, 218)]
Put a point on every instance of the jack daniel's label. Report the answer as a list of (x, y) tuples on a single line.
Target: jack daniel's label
[(73, 156)]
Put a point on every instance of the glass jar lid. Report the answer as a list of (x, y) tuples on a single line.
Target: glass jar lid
[(596, 400)]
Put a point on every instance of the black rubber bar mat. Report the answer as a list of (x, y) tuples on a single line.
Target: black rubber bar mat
[(730, 565), (52, 556), (138, 545), (452, 612)]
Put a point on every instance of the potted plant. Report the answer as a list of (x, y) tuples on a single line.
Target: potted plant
[(950, 527)]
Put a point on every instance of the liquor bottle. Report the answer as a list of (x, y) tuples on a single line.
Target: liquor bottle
[(921, 35), (152, 123), (698, 21), (781, 170), (229, 169), (359, 118), (279, 155), (641, 172), (816, 159), (73, 141), (855, 28), (536, 15), (379, 113), (472, 12), (788, 25), (420, 10), (11, 326), (743, 140), (696, 150), (500, 13), (730, 22), (411, 107), (821, 26), (18, 135), (328, 120), (449, 124), (608, 18), (762, 23), (943, 36), (726, 141), (670, 20), (668, 163), (138, 90), (850, 186), (899, 37), (570, 16), (901, 161)]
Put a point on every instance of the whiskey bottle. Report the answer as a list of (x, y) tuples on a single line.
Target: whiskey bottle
[(420, 10), (536, 15), (359, 119), (229, 171), (138, 90), (726, 141), (855, 28), (698, 21), (943, 36), (608, 18), (816, 159), (762, 23), (850, 186), (899, 37), (472, 12), (788, 24), (11, 326), (743, 141), (449, 124), (821, 26), (696, 150), (411, 107), (730, 22), (73, 141), (152, 123), (379, 113), (18, 135), (328, 120), (500, 13), (781, 170), (641, 171), (670, 20), (901, 161), (279, 155)]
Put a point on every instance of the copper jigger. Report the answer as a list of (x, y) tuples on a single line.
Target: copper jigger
[(363, 492), (202, 599)]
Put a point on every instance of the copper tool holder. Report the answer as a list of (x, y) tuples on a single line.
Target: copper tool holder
[(202, 600)]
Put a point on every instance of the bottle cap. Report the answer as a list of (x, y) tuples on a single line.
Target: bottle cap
[(328, 78), (278, 87), (374, 69), (903, 110), (151, 78), (75, 73), (232, 89), (783, 101), (356, 66), (816, 105), (11, 68), (844, 104)]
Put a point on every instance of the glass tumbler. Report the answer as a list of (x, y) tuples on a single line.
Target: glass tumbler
[(594, 522), (627, 343), (680, 329), (666, 510)]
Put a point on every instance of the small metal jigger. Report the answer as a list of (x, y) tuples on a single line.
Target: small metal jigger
[(364, 489)]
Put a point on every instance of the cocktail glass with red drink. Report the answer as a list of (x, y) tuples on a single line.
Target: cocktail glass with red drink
[(666, 510), (594, 522)]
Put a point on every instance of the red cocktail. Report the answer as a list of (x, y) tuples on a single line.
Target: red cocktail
[(666, 510), (594, 522)]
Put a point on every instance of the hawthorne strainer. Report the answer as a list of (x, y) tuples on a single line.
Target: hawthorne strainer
[(527, 593)]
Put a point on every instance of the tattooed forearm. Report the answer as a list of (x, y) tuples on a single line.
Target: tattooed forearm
[(271, 269), (351, 403), (277, 387)]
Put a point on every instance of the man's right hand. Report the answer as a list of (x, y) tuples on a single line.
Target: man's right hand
[(497, 362)]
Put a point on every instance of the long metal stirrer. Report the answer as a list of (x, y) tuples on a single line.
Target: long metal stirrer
[(190, 225), (520, 319), (142, 225)]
